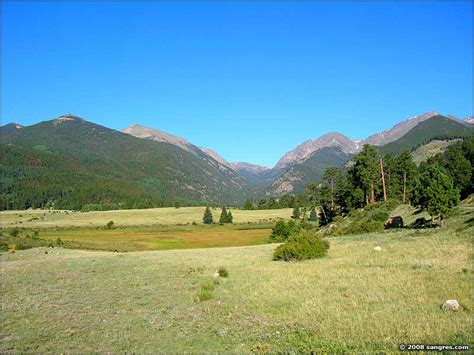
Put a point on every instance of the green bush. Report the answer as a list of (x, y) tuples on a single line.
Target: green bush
[(206, 292), (204, 296), (15, 232), (379, 216), (20, 245), (109, 225), (302, 246), (223, 272), (3, 245), (282, 231), (207, 286)]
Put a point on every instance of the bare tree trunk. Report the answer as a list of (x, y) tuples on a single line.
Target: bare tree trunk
[(404, 187), (324, 213), (383, 180), (372, 193)]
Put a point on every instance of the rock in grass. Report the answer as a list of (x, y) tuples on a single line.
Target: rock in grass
[(451, 305), (378, 248), (216, 275)]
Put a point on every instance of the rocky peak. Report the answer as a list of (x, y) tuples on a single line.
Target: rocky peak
[(140, 131), (252, 168), (332, 139), (398, 130)]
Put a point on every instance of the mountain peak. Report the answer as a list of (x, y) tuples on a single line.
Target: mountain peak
[(140, 131), (65, 118), (399, 129), (331, 139)]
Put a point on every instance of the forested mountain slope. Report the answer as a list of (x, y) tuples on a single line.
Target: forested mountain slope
[(436, 127), (70, 162)]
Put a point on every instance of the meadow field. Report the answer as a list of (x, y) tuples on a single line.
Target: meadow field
[(355, 299), (138, 217)]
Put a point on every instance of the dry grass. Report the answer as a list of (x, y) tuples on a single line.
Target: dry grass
[(154, 216), (355, 299)]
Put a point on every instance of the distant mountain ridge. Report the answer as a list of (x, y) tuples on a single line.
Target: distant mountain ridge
[(71, 162)]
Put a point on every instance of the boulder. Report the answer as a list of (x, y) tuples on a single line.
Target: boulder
[(394, 222), (452, 305), (378, 248)]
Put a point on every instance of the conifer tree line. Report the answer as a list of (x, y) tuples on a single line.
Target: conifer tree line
[(373, 177), (435, 186), (226, 216)]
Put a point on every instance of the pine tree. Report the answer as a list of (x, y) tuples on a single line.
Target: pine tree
[(296, 213), (208, 219), (248, 204), (313, 216), (407, 171), (224, 217), (230, 218), (367, 171), (434, 192)]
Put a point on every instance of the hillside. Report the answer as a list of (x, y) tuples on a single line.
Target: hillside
[(311, 169), (398, 130), (430, 149), (9, 128), (73, 162), (436, 127)]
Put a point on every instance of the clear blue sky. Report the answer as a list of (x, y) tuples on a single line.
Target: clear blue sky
[(249, 80)]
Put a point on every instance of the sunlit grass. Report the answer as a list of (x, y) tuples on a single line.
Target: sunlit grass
[(354, 299), (154, 216)]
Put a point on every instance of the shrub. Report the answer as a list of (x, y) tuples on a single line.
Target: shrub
[(22, 246), (110, 224), (204, 296), (14, 232), (3, 245), (304, 245), (206, 292), (207, 286), (223, 272), (379, 216), (59, 242), (282, 231)]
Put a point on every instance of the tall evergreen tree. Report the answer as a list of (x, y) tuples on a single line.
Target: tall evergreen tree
[(330, 180), (230, 218), (434, 192), (207, 218), (224, 217), (458, 167), (296, 213), (367, 171), (406, 170), (248, 205)]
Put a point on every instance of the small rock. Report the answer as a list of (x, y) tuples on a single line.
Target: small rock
[(347, 294), (378, 248), (452, 305), (222, 332), (216, 275)]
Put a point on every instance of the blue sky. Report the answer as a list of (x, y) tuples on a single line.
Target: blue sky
[(249, 80)]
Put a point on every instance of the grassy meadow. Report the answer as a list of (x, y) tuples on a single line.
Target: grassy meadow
[(138, 217), (354, 299), (160, 238)]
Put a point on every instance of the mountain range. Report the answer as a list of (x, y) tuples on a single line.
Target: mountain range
[(70, 162)]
